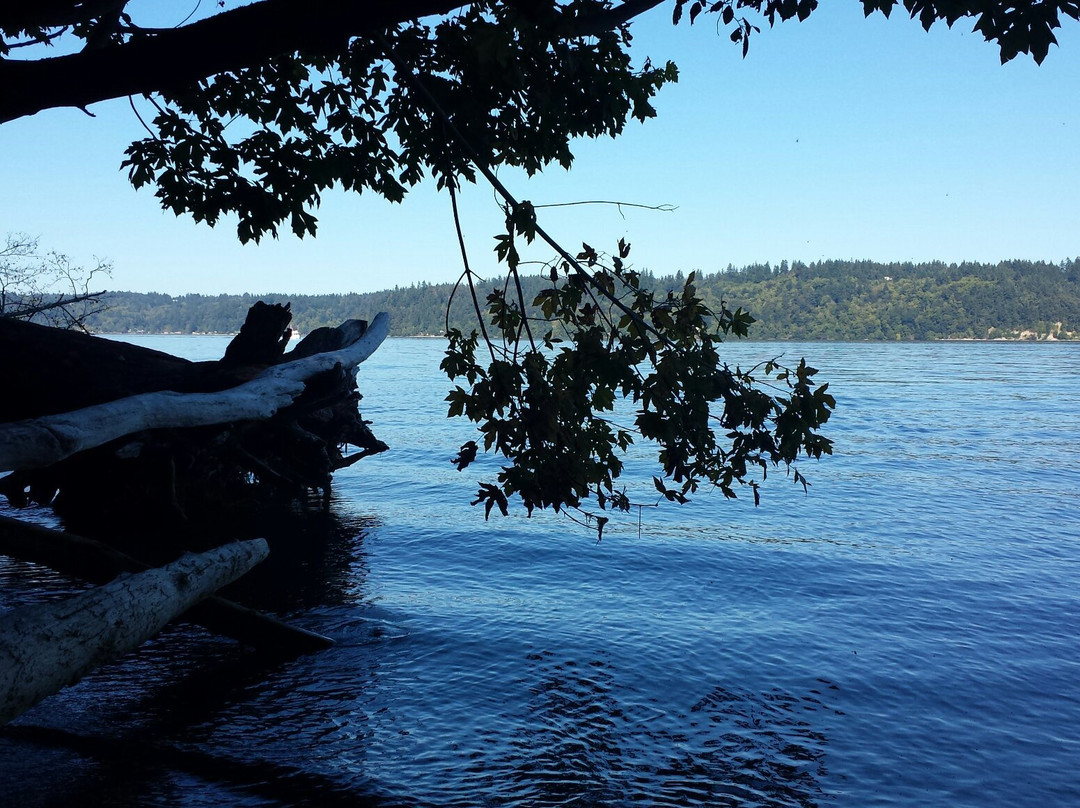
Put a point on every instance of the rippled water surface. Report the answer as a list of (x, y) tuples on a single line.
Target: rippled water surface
[(906, 634)]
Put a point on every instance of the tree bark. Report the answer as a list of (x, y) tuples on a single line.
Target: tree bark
[(51, 370), (230, 40), (45, 441), (258, 427), (47, 647)]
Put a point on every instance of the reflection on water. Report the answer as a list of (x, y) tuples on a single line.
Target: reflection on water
[(140, 771), (316, 559), (589, 741), (195, 720), (765, 745), (139, 731)]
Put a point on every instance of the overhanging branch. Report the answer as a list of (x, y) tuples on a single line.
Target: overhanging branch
[(54, 13), (613, 17), (228, 41), (231, 40)]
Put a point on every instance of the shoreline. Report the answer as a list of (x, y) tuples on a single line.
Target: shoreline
[(297, 336)]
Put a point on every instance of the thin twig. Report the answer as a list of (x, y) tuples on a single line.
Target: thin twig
[(59, 303), (524, 311), (468, 272), (44, 40), (664, 208), (131, 102)]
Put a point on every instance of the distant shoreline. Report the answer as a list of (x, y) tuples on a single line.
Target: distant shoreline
[(825, 301), (230, 334), (1032, 340)]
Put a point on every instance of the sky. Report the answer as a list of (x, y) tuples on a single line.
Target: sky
[(836, 138)]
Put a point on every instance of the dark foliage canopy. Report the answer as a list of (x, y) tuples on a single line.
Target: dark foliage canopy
[(262, 107), (326, 90)]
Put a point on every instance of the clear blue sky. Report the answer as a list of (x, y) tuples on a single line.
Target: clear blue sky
[(839, 137)]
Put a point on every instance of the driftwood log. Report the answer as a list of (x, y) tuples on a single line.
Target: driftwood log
[(46, 647), (98, 563), (109, 434), (105, 431)]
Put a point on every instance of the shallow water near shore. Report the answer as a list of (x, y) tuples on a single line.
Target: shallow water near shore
[(908, 633)]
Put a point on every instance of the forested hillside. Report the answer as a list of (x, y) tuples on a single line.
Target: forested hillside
[(828, 300)]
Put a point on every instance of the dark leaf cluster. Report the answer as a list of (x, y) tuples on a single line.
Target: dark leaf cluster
[(515, 82), (265, 137), (599, 362), (1020, 26)]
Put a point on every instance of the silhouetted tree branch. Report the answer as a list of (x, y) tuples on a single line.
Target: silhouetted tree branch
[(121, 60), (376, 95), (47, 286)]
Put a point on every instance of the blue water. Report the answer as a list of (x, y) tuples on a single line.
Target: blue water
[(908, 633)]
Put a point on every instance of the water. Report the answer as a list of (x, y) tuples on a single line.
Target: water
[(906, 634)]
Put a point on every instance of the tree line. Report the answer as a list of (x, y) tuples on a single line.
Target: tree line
[(824, 300)]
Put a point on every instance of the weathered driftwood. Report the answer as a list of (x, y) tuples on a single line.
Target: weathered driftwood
[(97, 563), (47, 647), (178, 442), (42, 442)]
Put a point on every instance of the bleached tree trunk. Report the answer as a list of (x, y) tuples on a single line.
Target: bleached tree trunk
[(41, 442), (98, 563), (46, 647)]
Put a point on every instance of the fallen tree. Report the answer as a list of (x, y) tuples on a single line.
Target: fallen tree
[(120, 429), (41, 442), (125, 430), (46, 647), (98, 563)]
